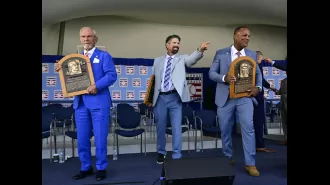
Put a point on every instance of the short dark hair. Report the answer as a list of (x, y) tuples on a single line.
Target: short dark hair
[(172, 37), (239, 28), (259, 53)]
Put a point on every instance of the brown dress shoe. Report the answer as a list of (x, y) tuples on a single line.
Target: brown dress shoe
[(267, 150), (284, 142), (252, 170)]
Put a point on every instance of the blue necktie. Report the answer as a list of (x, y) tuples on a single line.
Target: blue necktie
[(167, 78)]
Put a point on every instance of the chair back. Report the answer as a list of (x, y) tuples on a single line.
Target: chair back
[(142, 108), (47, 119), (189, 113), (209, 118), (123, 107), (129, 120)]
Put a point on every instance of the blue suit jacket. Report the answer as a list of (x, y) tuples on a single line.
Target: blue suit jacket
[(104, 75), (220, 67)]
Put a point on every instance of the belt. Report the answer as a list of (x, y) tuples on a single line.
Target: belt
[(168, 92)]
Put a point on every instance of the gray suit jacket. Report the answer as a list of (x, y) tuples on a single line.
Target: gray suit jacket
[(220, 67), (178, 73)]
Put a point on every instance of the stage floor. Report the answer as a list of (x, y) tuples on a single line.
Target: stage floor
[(140, 169)]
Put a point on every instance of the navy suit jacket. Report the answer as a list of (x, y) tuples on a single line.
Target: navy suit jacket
[(105, 74), (265, 84)]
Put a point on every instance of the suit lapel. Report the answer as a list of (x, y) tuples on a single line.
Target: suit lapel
[(161, 63), (175, 61), (95, 55), (228, 56)]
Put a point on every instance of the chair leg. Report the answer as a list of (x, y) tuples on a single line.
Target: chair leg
[(145, 144), (141, 144), (64, 144), (216, 140), (72, 147), (188, 140), (202, 142), (117, 148), (51, 147)]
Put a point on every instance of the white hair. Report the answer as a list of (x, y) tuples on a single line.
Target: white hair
[(94, 32)]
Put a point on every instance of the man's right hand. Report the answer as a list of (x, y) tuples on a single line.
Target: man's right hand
[(57, 67), (229, 78)]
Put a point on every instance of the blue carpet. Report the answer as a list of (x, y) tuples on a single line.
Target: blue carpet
[(139, 169)]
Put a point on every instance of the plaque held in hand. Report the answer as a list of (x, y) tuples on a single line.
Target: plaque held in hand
[(76, 74), (244, 70)]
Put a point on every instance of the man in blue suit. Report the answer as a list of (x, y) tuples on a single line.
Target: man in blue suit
[(92, 110), (219, 72)]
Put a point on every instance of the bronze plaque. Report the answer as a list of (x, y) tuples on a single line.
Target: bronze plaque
[(76, 74), (244, 69)]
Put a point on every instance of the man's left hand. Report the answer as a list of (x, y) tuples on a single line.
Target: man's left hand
[(203, 46), (92, 89), (253, 92)]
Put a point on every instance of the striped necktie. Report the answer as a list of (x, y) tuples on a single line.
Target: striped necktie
[(167, 78)]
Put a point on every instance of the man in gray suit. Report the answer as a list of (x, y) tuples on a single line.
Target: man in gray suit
[(244, 106), (170, 91)]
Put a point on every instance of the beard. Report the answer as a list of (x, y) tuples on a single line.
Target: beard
[(175, 50)]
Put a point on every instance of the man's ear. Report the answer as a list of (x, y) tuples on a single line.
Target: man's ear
[(96, 39)]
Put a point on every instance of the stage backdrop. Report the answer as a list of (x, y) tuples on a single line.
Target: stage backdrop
[(130, 86)]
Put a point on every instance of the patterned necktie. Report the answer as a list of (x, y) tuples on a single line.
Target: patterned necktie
[(168, 73), (238, 54), (86, 54)]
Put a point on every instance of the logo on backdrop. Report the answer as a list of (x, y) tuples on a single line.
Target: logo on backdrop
[(265, 70), (58, 95), (142, 95), (147, 82), (129, 70), (54, 66), (51, 81), (118, 69), (123, 82), (45, 94), (130, 95), (116, 95), (136, 82), (45, 68), (271, 82), (194, 84), (143, 70), (275, 71)]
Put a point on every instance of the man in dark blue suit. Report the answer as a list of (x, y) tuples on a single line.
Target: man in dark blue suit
[(92, 110), (259, 115)]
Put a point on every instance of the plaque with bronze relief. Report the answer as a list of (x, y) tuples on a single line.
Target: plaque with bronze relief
[(76, 74), (244, 69)]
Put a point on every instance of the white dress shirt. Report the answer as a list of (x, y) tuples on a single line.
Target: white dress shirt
[(90, 52)]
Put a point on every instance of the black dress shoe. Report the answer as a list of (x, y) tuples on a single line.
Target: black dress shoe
[(83, 174), (100, 175), (160, 158)]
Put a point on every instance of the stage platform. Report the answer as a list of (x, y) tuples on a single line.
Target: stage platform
[(139, 169)]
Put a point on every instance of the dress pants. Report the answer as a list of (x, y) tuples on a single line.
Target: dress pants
[(244, 108), (88, 120), (171, 105), (259, 121)]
